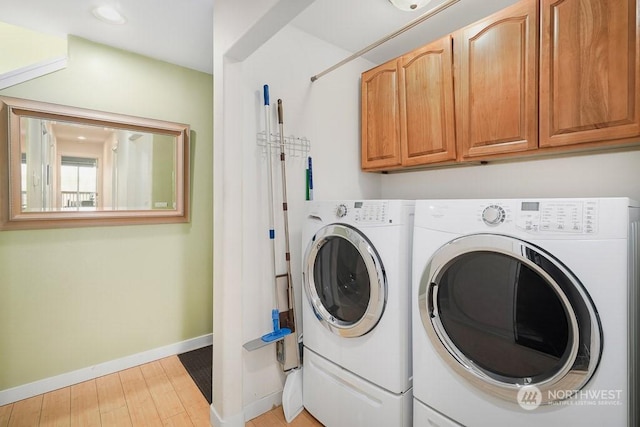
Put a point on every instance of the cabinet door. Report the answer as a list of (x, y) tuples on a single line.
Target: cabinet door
[(380, 137), (427, 126), (589, 71), (496, 83)]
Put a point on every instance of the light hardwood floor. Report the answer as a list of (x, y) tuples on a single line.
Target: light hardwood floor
[(275, 418), (159, 393)]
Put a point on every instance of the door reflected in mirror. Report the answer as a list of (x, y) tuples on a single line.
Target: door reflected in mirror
[(71, 167)]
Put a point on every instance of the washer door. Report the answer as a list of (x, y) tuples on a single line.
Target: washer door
[(344, 280), (504, 314)]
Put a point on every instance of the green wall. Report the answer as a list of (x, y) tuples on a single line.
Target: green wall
[(21, 47), (72, 298)]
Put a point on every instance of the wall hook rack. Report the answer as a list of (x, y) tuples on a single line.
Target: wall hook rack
[(294, 146)]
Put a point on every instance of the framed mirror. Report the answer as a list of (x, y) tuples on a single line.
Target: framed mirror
[(71, 167)]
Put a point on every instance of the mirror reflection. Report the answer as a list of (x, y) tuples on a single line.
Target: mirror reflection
[(77, 167), (66, 167)]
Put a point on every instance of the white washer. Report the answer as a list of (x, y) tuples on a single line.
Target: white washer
[(356, 314), (525, 312)]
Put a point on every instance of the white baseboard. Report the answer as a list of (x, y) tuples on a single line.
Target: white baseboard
[(217, 421), (249, 412), (260, 406), (32, 71), (85, 374)]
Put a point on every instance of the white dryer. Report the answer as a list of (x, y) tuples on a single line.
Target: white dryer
[(525, 312), (356, 314)]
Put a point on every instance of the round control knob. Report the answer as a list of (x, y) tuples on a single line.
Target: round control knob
[(341, 211), (493, 215)]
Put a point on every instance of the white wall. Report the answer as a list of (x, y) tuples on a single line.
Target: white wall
[(586, 175), (327, 113), (231, 20)]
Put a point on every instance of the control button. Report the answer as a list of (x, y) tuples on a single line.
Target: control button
[(341, 211), (493, 215)]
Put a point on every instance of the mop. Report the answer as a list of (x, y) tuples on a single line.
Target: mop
[(292, 394), (277, 333), (287, 348)]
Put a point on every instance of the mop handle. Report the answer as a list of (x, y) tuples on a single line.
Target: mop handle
[(285, 207), (267, 121), (272, 232)]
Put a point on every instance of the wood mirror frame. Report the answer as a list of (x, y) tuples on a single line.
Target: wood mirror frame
[(16, 214)]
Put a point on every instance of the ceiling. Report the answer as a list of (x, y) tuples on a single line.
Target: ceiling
[(181, 31), (176, 31), (355, 24), (80, 133)]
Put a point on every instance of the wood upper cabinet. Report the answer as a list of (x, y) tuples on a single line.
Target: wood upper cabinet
[(380, 119), (427, 126), (497, 83), (541, 76), (589, 71)]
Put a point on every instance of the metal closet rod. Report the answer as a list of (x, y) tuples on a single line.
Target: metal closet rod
[(409, 26)]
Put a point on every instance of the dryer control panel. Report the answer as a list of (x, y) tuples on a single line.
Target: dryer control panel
[(571, 218), (558, 216)]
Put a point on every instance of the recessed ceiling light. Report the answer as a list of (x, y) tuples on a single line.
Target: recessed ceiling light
[(82, 138), (409, 5), (108, 14)]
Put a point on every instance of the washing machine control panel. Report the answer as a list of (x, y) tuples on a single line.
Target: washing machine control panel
[(368, 212)]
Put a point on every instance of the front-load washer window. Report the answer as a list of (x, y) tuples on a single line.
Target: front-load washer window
[(506, 314), (341, 280), (344, 280)]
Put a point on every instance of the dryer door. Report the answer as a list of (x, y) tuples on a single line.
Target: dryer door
[(504, 314), (344, 280)]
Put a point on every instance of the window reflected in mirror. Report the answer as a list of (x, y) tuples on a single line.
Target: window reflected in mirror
[(73, 167)]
